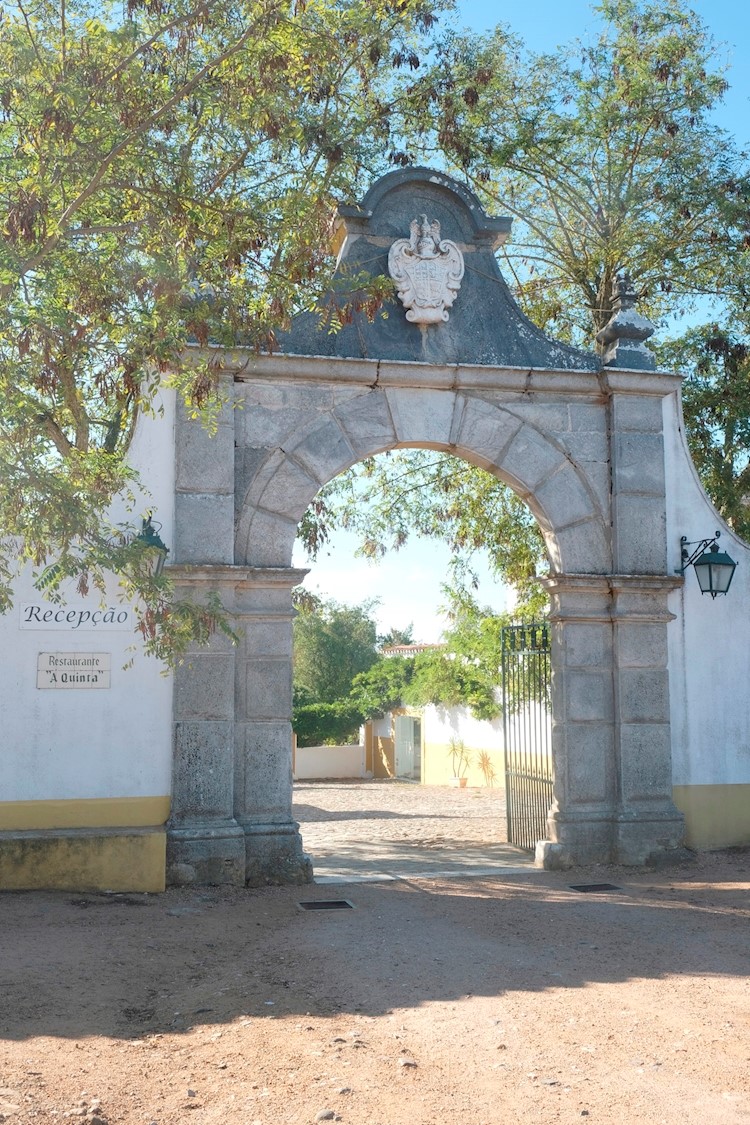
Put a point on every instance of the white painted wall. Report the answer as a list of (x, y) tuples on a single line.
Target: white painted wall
[(87, 743), (311, 762), (381, 728), (709, 640), (441, 724)]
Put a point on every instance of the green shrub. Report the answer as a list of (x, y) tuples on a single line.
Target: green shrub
[(316, 724)]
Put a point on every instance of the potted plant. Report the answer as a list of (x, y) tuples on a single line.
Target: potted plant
[(460, 761)]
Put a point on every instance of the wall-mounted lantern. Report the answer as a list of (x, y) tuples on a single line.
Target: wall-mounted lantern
[(148, 537), (713, 568)]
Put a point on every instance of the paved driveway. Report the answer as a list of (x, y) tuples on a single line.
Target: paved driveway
[(377, 830)]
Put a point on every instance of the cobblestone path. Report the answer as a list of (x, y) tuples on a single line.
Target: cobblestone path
[(375, 829)]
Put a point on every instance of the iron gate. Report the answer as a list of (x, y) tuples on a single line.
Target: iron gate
[(526, 727)]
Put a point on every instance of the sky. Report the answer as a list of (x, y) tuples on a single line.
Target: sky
[(543, 24), (408, 582)]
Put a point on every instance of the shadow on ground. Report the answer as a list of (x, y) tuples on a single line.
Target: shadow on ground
[(315, 813), (128, 965)]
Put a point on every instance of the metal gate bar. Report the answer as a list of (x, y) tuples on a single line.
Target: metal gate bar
[(526, 727)]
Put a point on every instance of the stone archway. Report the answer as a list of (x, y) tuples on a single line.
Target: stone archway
[(582, 445), (570, 503)]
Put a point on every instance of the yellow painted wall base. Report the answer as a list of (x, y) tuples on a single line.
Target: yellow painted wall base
[(485, 768), (96, 812), (716, 816), (125, 859)]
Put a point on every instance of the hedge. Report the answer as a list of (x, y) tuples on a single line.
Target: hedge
[(316, 724)]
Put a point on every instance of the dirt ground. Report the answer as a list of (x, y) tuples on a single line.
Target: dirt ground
[(474, 999)]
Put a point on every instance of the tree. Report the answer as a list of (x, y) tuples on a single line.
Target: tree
[(465, 671), (716, 404), (168, 172), (398, 636), (435, 496), (608, 159), (607, 156), (384, 686), (332, 644)]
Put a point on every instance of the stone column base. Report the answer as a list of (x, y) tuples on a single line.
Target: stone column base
[(575, 842), (274, 855), (206, 854), (552, 857), (652, 838)]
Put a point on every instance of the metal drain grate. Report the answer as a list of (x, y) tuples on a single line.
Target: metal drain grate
[(327, 904), (594, 888)]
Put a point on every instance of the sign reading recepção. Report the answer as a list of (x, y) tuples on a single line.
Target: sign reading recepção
[(73, 670), (76, 616)]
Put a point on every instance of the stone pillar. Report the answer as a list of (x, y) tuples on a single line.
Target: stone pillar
[(639, 518), (263, 730), (611, 742), (205, 844), (647, 822), (583, 723), (204, 486), (231, 816)]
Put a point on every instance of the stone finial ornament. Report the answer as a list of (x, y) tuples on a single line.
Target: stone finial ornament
[(622, 338), (427, 272)]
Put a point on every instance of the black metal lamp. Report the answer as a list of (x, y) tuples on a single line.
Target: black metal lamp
[(148, 537), (713, 568)]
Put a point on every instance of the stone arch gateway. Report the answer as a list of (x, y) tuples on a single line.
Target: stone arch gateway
[(459, 369)]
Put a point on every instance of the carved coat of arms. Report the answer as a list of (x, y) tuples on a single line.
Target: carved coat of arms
[(427, 272)]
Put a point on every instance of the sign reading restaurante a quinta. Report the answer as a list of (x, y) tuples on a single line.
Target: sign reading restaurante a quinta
[(73, 670)]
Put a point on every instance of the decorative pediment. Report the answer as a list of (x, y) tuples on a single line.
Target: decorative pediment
[(427, 271), (486, 327)]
